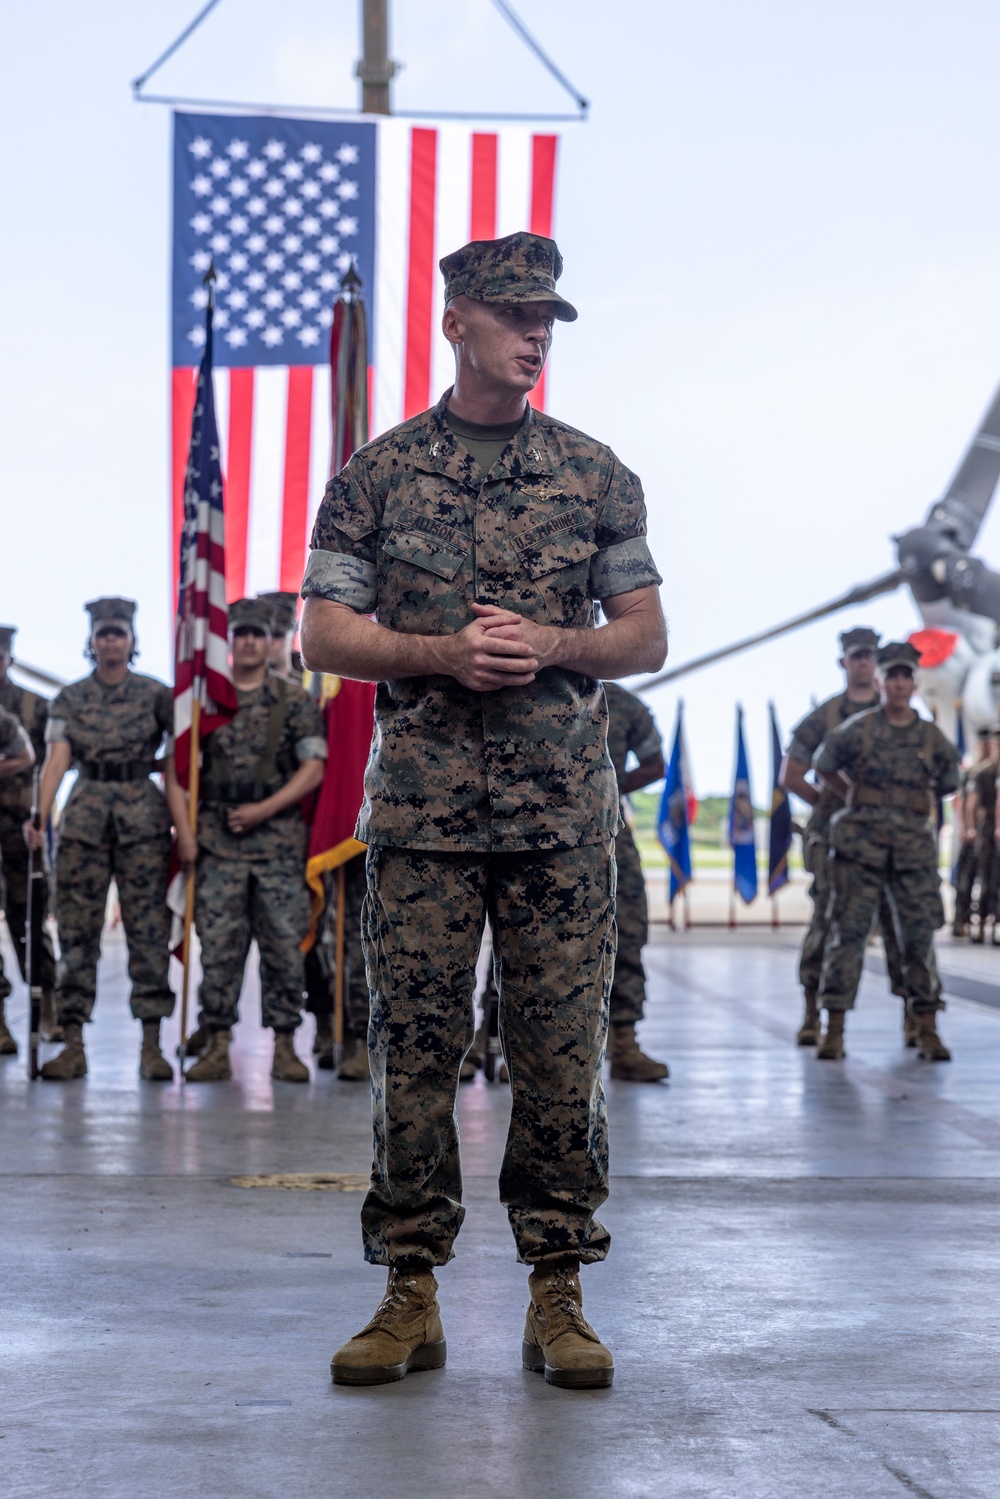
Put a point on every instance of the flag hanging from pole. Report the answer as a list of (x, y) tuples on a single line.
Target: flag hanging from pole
[(201, 662), (741, 822), (672, 824), (285, 206), (780, 832)]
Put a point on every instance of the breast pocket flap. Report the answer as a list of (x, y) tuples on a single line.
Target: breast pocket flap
[(433, 553), (560, 542)]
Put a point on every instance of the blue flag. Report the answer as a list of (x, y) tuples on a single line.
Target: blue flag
[(673, 821), (781, 818), (741, 830)]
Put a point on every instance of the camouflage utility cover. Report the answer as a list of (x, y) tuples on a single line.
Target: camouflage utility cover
[(807, 736), (243, 741), (411, 529), (631, 727), (30, 712), (113, 726), (521, 267), (917, 757)]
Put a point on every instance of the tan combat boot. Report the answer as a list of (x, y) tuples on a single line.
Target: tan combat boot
[(405, 1333), (629, 1063), (929, 1043), (286, 1066), (213, 1067), (811, 1028), (153, 1065), (195, 1043), (831, 1047), (910, 1026), (8, 1046), (354, 1064), (71, 1061), (559, 1342), (48, 1020)]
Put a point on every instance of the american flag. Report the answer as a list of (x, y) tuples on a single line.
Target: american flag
[(284, 206), (201, 670)]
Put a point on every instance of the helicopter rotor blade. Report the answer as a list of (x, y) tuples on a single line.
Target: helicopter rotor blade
[(963, 506), (857, 595)]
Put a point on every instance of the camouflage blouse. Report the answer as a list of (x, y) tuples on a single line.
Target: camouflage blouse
[(807, 736), (113, 727), (631, 727), (412, 531), (892, 761), (31, 711)]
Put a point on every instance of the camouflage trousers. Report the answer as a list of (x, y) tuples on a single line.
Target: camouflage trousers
[(872, 856), (235, 902), (552, 916), (987, 871), (628, 990), (816, 856), (963, 880), (320, 965), (83, 874), (14, 860)]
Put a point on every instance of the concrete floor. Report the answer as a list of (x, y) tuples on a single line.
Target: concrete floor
[(801, 1295)]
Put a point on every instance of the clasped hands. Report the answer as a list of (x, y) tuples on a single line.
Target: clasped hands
[(498, 649)]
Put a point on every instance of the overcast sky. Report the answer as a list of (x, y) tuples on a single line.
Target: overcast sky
[(781, 226)]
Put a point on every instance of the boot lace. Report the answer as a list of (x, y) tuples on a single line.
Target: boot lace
[(561, 1309), (393, 1304)]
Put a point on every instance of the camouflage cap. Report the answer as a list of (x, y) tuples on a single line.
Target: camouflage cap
[(252, 614), (7, 633), (898, 653), (520, 268), (286, 608), (111, 614), (852, 640)]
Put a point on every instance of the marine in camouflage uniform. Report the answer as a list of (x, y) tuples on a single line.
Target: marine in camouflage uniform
[(893, 765), (631, 731), (966, 864), (858, 644), (250, 881), (115, 826), (983, 813), (31, 711), (472, 537), (16, 755)]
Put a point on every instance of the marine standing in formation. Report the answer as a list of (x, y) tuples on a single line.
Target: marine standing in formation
[(631, 729), (860, 693), (30, 711), (17, 756), (963, 808), (890, 766), (251, 850), (483, 532), (115, 826), (982, 822)]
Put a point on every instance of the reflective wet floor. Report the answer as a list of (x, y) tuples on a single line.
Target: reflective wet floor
[(801, 1293)]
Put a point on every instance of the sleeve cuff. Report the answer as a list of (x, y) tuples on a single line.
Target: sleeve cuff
[(623, 568), (310, 748), (651, 745), (801, 752), (341, 579), (55, 731)]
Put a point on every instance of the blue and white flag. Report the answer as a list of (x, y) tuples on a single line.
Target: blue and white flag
[(741, 829), (780, 840), (673, 820)]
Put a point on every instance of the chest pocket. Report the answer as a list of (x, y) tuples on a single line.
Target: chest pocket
[(427, 543), (562, 541)]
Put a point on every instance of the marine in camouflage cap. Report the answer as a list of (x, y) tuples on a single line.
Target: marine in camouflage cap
[(898, 653), (111, 614), (859, 638), (521, 267), (285, 607), (252, 614)]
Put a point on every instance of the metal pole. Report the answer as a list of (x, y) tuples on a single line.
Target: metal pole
[(375, 70), (193, 794)]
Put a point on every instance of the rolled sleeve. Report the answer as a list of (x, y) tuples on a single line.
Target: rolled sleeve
[(55, 731), (800, 751), (622, 568), (650, 745), (830, 755), (342, 579), (312, 747)]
